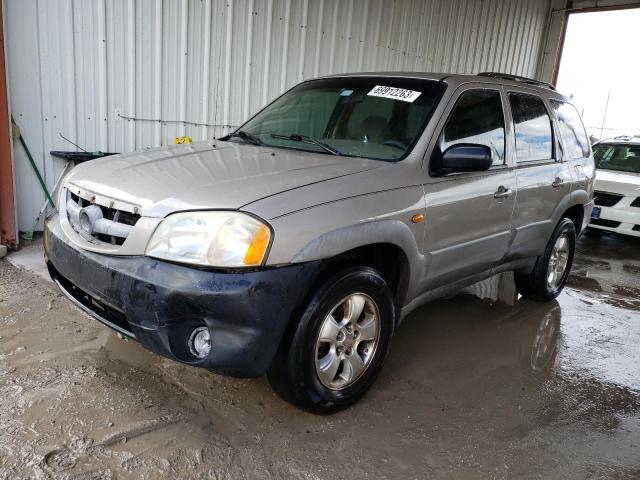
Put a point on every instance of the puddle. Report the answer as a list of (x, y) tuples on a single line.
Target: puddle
[(499, 387)]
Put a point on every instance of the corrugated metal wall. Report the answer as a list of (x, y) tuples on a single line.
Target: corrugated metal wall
[(79, 66)]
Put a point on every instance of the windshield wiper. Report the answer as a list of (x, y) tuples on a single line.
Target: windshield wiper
[(248, 137), (296, 137)]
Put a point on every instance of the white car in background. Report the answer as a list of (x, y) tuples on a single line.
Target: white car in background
[(617, 188)]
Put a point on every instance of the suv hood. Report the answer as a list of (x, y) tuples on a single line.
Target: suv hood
[(625, 183), (203, 176)]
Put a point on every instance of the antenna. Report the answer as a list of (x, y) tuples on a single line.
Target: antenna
[(74, 144)]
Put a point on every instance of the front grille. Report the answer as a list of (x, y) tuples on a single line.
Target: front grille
[(636, 203), (100, 311), (98, 223), (605, 223), (606, 199)]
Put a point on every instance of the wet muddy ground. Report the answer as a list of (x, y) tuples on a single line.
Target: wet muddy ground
[(471, 389)]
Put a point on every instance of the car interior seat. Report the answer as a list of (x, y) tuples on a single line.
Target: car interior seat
[(376, 129)]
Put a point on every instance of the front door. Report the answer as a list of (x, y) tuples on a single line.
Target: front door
[(468, 215)]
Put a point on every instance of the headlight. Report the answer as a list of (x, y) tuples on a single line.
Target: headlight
[(216, 239)]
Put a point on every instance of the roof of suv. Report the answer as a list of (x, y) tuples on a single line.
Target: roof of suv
[(623, 140), (456, 79)]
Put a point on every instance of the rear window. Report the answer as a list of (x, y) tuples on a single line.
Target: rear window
[(617, 157), (572, 130), (532, 127)]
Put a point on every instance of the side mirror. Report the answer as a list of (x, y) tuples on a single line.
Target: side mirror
[(466, 157)]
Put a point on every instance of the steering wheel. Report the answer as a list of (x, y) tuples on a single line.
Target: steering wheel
[(396, 143)]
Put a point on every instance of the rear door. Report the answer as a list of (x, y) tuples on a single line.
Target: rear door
[(468, 214), (543, 178)]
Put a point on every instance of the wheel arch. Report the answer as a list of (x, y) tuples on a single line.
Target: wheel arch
[(387, 258), (387, 245), (571, 206), (575, 213)]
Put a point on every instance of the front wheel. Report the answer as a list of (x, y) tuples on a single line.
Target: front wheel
[(339, 344), (550, 273)]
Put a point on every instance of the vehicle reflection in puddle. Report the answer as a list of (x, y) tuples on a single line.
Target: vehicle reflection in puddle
[(570, 361)]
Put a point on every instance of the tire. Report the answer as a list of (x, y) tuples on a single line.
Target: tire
[(537, 285), (305, 373)]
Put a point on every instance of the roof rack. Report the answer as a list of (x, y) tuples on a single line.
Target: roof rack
[(516, 78)]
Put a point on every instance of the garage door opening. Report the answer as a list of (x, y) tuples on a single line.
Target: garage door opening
[(600, 71)]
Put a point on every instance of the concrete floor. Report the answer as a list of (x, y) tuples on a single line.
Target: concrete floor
[(29, 257), (471, 389)]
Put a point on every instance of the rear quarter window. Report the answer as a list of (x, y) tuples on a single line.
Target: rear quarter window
[(571, 129)]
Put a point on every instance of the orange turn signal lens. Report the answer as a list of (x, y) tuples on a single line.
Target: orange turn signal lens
[(258, 246)]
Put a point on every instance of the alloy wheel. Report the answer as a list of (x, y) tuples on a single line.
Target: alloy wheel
[(347, 341), (558, 262)]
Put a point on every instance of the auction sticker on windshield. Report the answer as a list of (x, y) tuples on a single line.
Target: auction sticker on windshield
[(394, 93)]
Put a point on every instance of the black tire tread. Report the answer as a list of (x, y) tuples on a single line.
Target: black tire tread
[(534, 284), (287, 372)]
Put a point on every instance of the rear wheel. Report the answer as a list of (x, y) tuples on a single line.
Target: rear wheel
[(550, 273), (339, 344)]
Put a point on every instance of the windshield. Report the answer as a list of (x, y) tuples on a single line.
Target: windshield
[(618, 157), (377, 118)]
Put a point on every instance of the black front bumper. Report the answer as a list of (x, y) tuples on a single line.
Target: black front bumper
[(160, 303)]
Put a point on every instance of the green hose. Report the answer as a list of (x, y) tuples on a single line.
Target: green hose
[(33, 164)]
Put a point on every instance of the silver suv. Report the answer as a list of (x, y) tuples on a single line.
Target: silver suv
[(296, 244)]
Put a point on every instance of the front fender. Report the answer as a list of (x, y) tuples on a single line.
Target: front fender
[(392, 232), (347, 238), (328, 230)]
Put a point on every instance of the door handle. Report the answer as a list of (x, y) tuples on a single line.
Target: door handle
[(558, 182), (502, 192)]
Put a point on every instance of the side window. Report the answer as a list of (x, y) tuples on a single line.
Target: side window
[(532, 127), (571, 129), (477, 118)]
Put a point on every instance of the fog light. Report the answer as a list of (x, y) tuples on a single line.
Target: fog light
[(200, 342)]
